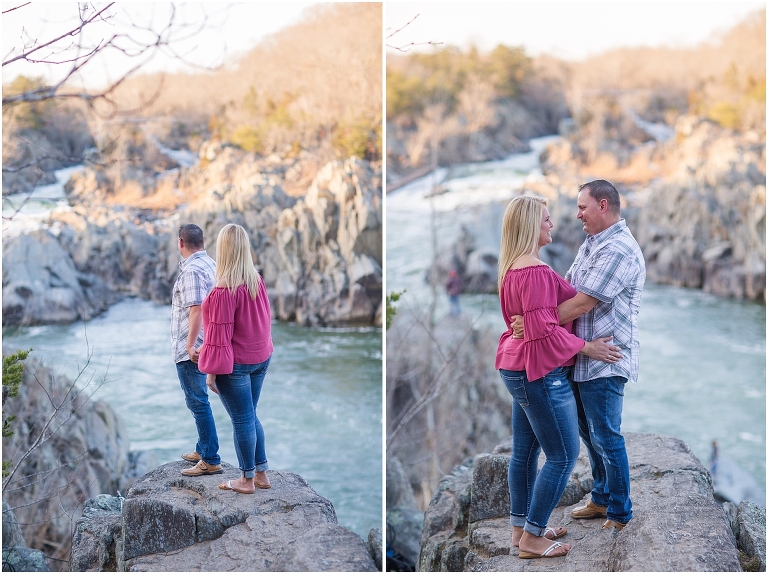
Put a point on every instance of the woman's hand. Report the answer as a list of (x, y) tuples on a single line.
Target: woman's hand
[(518, 327), (600, 350), (210, 380)]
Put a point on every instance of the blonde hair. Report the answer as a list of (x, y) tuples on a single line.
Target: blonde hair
[(234, 265), (519, 231)]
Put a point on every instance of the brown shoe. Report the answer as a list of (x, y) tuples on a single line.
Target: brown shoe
[(192, 457), (590, 510), (202, 468), (613, 524)]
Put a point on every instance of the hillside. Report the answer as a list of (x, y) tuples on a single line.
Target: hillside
[(482, 106)]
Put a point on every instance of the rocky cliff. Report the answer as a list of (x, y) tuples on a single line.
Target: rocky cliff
[(444, 401), (677, 526), (168, 522), (694, 201), (320, 256), (68, 451), (65, 449)]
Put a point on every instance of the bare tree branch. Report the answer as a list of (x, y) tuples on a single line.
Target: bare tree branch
[(24, 55), (16, 7), (407, 47), (401, 28), (71, 394)]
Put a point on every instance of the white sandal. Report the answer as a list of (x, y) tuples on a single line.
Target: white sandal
[(555, 545)]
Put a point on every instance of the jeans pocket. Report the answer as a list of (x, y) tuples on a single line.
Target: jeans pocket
[(616, 385), (515, 383)]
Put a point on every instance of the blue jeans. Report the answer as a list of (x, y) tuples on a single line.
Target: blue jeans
[(239, 393), (455, 305), (543, 418), (599, 403), (196, 396)]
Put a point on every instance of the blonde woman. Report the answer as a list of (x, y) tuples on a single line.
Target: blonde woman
[(236, 351), (535, 371)]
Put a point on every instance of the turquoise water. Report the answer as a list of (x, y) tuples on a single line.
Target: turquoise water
[(702, 357), (321, 406)]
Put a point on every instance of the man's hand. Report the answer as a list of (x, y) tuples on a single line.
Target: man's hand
[(194, 354), (517, 326), (195, 325)]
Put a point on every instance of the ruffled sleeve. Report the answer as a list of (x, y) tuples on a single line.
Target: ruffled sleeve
[(216, 355), (546, 345)]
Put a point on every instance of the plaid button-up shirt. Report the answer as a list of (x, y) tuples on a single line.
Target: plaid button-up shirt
[(609, 267), (196, 279)]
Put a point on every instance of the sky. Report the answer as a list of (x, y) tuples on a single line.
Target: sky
[(230, 29), (568, 30)]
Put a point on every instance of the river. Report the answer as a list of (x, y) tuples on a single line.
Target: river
[(702, 359), (321, 406)]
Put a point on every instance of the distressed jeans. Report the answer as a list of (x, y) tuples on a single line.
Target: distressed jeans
[(599, 404), (192, 382), (239, 393), (543, 418)]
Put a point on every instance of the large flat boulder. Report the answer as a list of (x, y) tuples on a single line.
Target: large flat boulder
[(677, 526), (173, 523)]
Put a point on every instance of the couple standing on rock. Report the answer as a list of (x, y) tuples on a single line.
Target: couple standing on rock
[(222, 340), (566, 385)]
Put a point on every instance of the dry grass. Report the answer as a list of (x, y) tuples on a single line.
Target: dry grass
[(305, 78)]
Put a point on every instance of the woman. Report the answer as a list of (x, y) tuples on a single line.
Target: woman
[(236, 351), (535, 370)]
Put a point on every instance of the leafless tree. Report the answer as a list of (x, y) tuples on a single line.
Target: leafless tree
[(101, 31), (44, 483), (75, 52)]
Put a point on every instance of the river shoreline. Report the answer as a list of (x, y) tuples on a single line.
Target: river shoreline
[(685, 356), (337, 410)]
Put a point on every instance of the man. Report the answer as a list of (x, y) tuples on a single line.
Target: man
[(196, 279), (609, 274)]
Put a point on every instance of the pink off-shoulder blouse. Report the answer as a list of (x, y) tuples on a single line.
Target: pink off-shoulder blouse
[(535, 292), (237, 329)]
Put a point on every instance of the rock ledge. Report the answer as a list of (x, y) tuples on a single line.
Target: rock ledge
[(677, 526), (169, 522)]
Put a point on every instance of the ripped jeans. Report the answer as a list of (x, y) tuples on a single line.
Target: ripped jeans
[(543, 418), (599, 404)]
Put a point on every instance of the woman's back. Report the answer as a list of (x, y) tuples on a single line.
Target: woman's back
[(251, 321)]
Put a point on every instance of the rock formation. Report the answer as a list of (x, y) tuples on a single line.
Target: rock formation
[(404, 519), (83, 452), (698, 211), (704, 226), (169, 522), (700, 223), (320, 256), (42, 285), (16, 556), (677, 526), (444, 401), (749, 528)]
